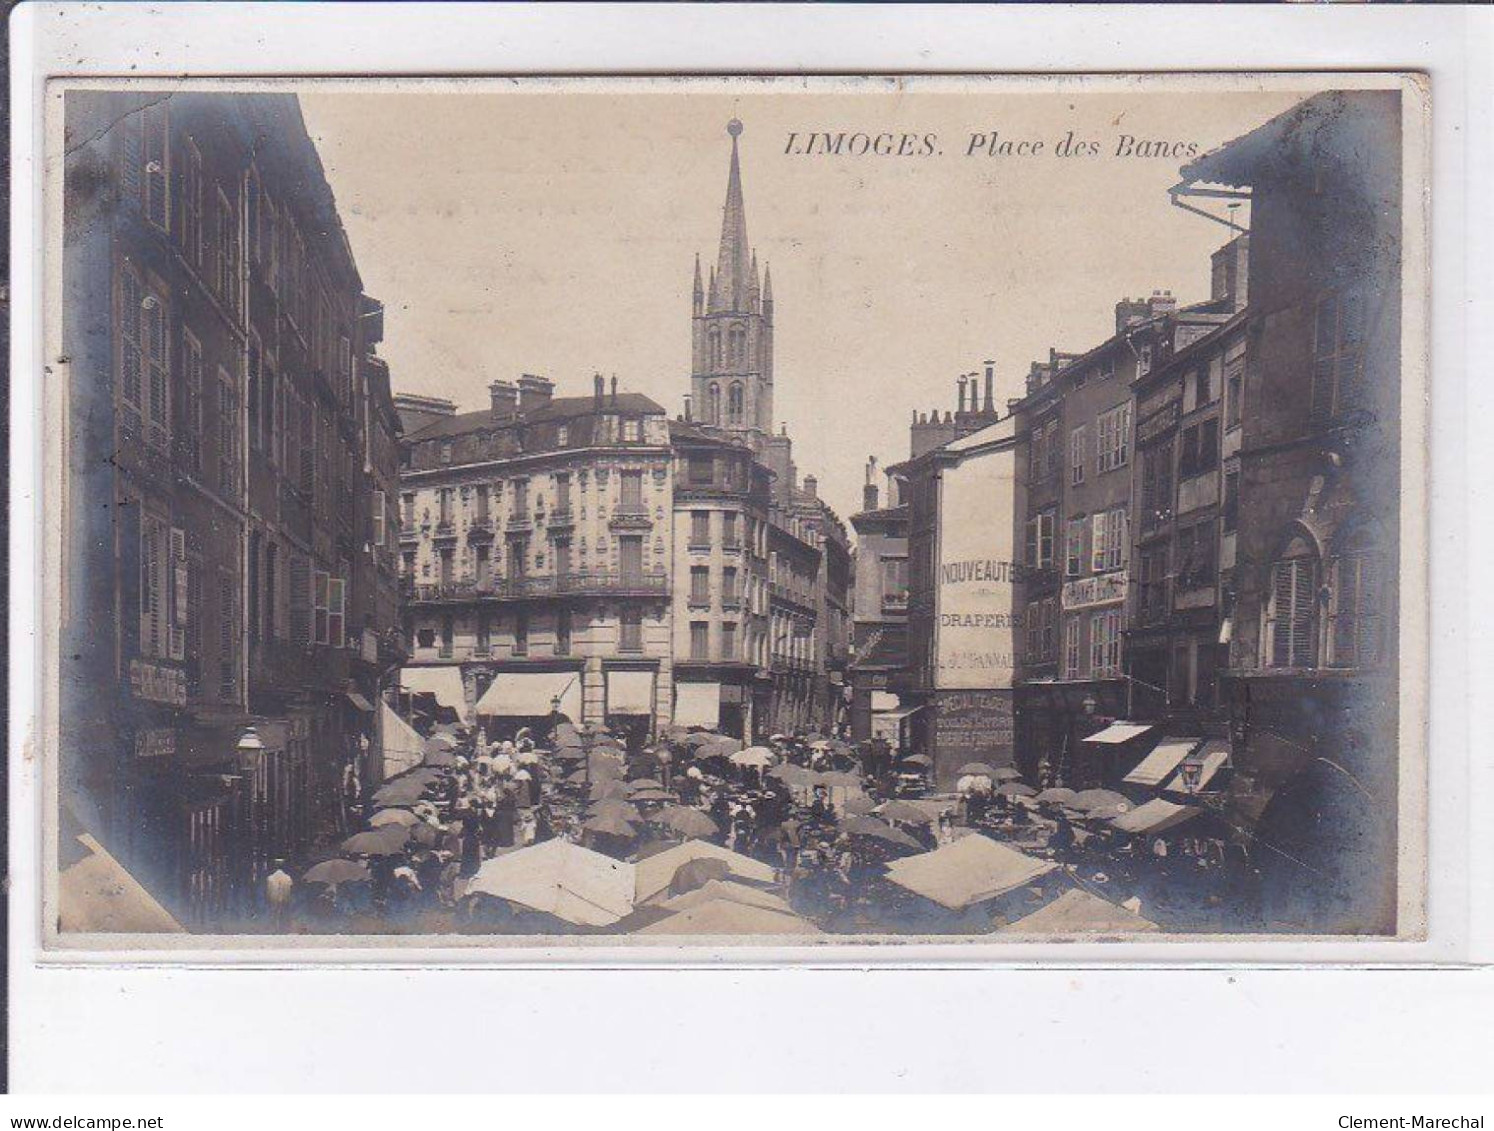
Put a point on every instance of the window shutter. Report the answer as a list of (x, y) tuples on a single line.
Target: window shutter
[(180, 597), (130, 361), (319, 605), (1302, 613), (1098, 527), (155, 165)]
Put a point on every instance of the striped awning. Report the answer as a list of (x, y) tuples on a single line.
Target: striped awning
[(1167, 756)]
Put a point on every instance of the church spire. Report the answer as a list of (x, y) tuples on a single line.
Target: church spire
[(698, 295), (732, 265)]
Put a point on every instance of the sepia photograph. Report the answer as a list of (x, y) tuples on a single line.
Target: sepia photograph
[(710, 512)]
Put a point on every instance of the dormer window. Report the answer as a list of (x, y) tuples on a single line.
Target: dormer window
[(562, 436)]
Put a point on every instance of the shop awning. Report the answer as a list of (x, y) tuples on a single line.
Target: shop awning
[(1211, 759), (896, 716), (1154, 817), (1162, 761), (697, 705), (357, 700), (630, 692), (532, 695), (403, 747), (1120, 732), (445, 683), (884, 701)]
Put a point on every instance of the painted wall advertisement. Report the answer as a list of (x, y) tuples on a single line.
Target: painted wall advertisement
[(977, 614)]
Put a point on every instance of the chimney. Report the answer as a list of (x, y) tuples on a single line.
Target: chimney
[(990, 405), (534, 392), (1128, 312), (811, 486), (963, 379), (601, 390), (687, 406), (1161, 303), (869, 488), (505, 397), (614, 388)]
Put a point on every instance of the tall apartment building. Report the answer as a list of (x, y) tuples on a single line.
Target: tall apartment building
[(227, 559), (879, 609), (536, 539), (722, 496), (1313, 640)]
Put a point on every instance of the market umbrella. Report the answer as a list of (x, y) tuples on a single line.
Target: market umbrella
[(441, 738), (837, 778), (820, 744), (576, 777), (427, 836), (907, 813), (859, 806), (1007, 773), (880, 830), (730, 919), (976, 769), (611, 826), (439, 758), (1091, 800), (527, 757), (651, 795), (615, 807), (398, 795), (601, 790), (645, 783), (1055, 795), (401, 817), (1016, 789), (759, 756), (696, 873), (700, 738), (722, 745), (814, 736), (334, 872), (562, 879), (386, 841), (918, 760), (689, 822)]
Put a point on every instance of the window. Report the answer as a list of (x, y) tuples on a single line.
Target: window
[(728, 640), (630, 559), (484, 565), (1156, 486), (734, 403), (563, 632), (518, 553), (894, 581), (1231, 501), (701, 470), (337, 612), (379, 505), (300, 600), (1338, 353), (1115, 439), (713, 403), (1152, 593), (630, 626), (1234, 391), (446, 557), (1076, 456), (425, 638), (1109, 542), (1040, 540), (444, 498), (445, 451), (228, 640), (1071, 648), (407, 509), (562, 495), (1355, 608), (561, 550), (700, 528), (307, 475), (729, 537), (226, 262), (448, 635), (521, 633), (521, 500), (267, 410), (143, 362), (1037, 453), (632, 430), (562, 436), (144, 162), (1144, 361), (1073, 565), (1208, 444), (484, 638), (1290, 639), (729, 592), (272, 591), (700, 585), (1034, 629), (1105, 643), (228, 435), (1198, 556), (632, 493), (253, 586), (700, 640)]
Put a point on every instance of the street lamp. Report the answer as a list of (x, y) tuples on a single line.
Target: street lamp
[(250, 745), (1090, 704)]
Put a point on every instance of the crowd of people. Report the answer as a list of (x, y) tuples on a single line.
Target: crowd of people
[(824, 814)]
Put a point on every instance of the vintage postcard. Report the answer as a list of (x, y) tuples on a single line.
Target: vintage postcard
[(701, 512)]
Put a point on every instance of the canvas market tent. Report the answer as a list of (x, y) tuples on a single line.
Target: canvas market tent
[(971, 870)]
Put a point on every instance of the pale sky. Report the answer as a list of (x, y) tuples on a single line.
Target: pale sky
[(553, 230)]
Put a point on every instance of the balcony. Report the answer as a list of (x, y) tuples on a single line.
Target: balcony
[(630, 516), (480, 529), (445, 531), (586, 584), (561, 518), (519, 523), (409, 533)]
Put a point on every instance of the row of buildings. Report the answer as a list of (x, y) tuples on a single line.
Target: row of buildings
[(591, 553), (1199, 573), (229, 568)]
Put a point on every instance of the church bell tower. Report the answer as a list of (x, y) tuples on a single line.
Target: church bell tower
[(731, 381)]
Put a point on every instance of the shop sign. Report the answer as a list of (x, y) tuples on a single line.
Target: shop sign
[(1104, 589), (973, 726), (155, 742), (158, 684)]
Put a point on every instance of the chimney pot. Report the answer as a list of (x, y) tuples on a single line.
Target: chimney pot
[(504, 396), (990, 402), (614, 388), (963, 379), (534, 392), (600, 388)]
